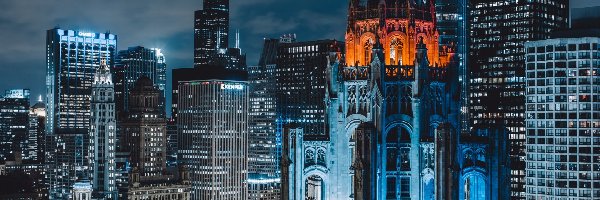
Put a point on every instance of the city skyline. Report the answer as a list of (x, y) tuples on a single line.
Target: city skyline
[(25, 35), (347, 99), (164, 25)]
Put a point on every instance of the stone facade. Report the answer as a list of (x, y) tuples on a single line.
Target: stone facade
[(392, 116)]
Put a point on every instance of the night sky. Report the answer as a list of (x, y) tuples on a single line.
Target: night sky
[(165, 24)]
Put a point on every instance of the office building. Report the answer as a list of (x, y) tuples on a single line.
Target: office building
[(263, 156), (451, 23), (562, 111), (133, 63), (103, 136), (211, 30), (160, 187), (498, 30), (212, 123), (144, 131), (36, 131), (300, 82), (32, 175), (72, 60), (14, 120), (172, 143)]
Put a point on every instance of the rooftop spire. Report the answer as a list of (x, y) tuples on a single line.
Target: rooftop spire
[(237, 38)]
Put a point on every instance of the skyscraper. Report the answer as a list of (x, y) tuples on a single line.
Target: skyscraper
[(451, 23), (72, 60), (263, 157), (36, 144), (562, 112), (213, 131), (133, 63), (498, 30), (103, 136), (14, 119), (300, 83), (144, 131), (211, 30)]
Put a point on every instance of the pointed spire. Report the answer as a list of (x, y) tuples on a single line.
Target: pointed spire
[(40, 98)]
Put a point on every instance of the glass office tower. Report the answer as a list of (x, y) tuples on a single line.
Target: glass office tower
[(14, 115), (72, 58), (263, 156), (498, 30), (211, 30), (134, 63)]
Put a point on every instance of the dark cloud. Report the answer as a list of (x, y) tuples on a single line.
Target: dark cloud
[(152, 23)]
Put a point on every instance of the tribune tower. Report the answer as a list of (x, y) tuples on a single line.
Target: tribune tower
[(392, 107)]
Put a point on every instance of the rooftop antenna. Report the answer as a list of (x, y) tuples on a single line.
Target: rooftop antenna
[(218, 40), (237, 38)]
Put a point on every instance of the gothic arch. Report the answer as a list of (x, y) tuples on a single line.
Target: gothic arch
[(309, 157), (473, 184), (352, 123), (398, 120), (396, 48), (365, 47), (308, 188)]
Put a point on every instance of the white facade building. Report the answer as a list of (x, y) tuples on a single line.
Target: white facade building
[(563, 118), (103, 135), (213, 132)]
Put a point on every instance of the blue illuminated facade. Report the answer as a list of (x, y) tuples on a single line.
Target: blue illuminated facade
[(72, 60), (393, 120)]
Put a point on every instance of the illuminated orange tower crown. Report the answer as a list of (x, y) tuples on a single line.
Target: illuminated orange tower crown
[(398, 25)]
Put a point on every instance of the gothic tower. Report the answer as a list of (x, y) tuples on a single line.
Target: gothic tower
[(391, 119), (103, 134)]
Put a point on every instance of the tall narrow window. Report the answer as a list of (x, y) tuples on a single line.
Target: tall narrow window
[(368, 47), (396, 52)]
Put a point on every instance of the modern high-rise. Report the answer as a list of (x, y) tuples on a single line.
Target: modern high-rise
[(72, 58), (103, 135), (451, 23), (263, 158), (133, 63), (14, 120), (300, 83), (563, 112), (144, 130), (211, 30), (212, 125), (497, 32), (36, 144)]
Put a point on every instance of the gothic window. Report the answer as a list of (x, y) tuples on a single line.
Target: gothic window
[(405, 102), (368, 47), (397, 151), (315, 189), (392, 100), (391, 188), (405, 188), (474, 188), (392, 150), (309, 158), (351, 100), (468, 158), (404, 159), (396, 52), (321, 157)]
